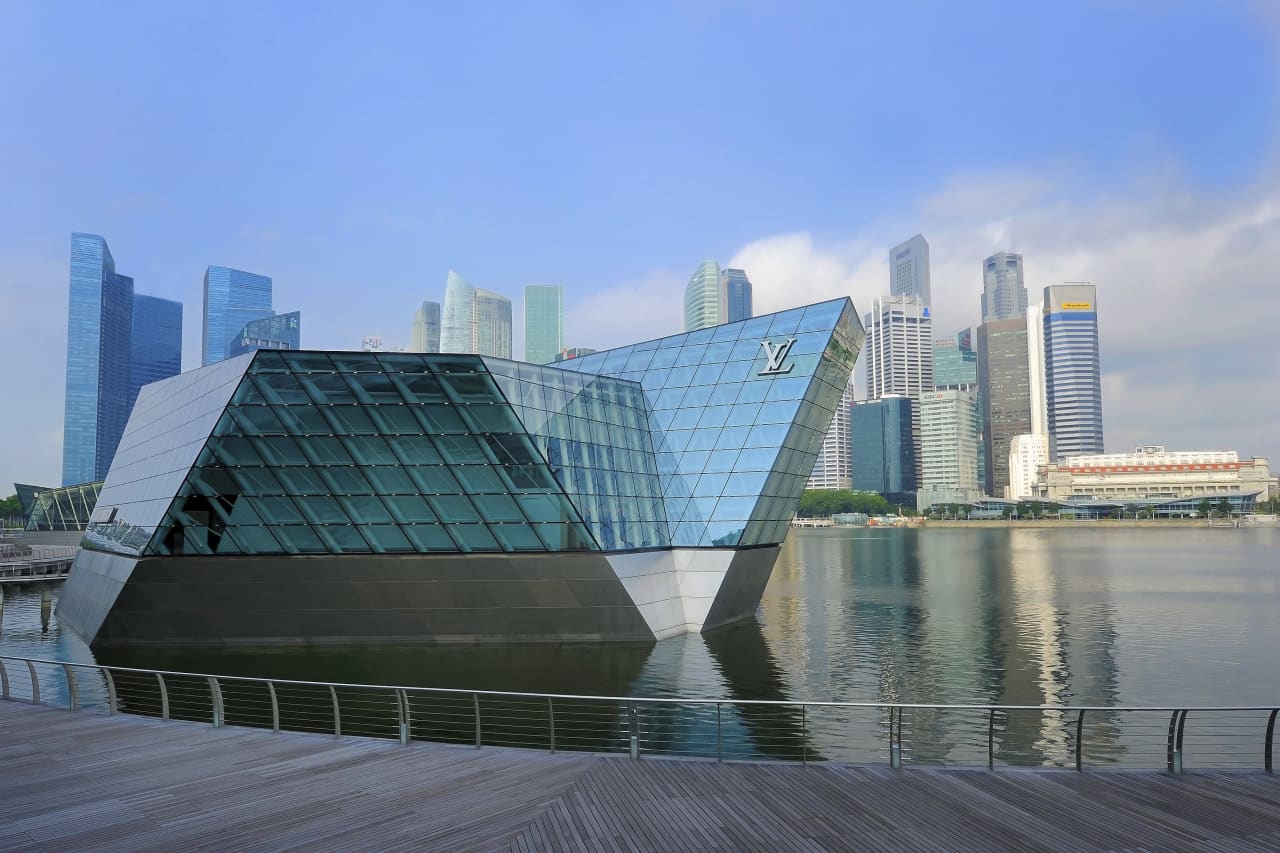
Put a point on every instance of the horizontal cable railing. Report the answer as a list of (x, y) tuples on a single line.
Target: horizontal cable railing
[(897, 734)]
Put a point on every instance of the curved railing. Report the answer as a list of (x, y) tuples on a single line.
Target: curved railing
[(1074, 736)]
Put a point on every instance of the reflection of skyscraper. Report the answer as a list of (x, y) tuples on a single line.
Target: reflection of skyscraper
[(704, 298), (834, 468), (909, 269), (426, 328), (1004, 294), (543, 322), (232, 298), (474, 320), (737, 289)]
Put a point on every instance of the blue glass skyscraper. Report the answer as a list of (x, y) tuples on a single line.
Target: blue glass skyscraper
[(99, 327), (884, 457), (737, 289), (232, 299), (156, 348), (1072, 368), (116, 343)]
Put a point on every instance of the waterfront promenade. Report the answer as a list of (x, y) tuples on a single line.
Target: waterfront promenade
[(90, 781)]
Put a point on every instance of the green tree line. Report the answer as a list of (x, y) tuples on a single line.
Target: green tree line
[(820, 503)]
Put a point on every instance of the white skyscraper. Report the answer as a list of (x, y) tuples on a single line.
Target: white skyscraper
[(899, 354), (834, 467), (705, 298), (909, 269), (949, 431), (1035, 367), (474, 320), (1027, 454)]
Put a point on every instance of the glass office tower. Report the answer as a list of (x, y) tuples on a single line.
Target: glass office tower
[(1072, 368), (232, 299), (1004, 292), (883, 449), (1004, 378), (156, 348), (426, 328), (631, 494), (283, 331), (99, 333), (737, 293), (543, 322), (704, 298), (474, 320)]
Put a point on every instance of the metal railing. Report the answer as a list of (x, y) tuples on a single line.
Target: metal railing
[(22, 563), (897, 734)]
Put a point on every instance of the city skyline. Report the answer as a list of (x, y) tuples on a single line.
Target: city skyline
[(352, 200)]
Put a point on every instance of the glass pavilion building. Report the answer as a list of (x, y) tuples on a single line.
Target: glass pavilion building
[(310, 497)]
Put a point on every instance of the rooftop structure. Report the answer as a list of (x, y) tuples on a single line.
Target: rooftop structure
[(630, 494)]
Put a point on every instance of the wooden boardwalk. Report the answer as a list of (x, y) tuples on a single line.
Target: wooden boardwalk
[(81, 781)]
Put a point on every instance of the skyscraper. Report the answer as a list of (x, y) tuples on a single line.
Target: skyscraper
[(704, 298), (543, 322), (1004, 294), (737, 289), (834, 467), (232, 298), (899, 347), (156, 345), (1004, 380), (949, 433), (955, 363), (474, 320), (882, 448), (283, 331), (117, 341), (426, 328), (909, 269), (1073, 380)]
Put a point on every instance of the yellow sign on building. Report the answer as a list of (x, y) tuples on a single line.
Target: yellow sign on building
[(1077, 306)]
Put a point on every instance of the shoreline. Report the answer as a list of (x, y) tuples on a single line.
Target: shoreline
[(1050, 522)]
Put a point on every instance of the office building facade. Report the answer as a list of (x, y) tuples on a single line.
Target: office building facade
[(949, 431), (116, 342), (426, 328), (899, 349), (232, 299), (1027, 455), (704, 298), (283, 331), (630, 494), (474, 320), (909, 270), (1072, 369), (834, 468), (1152, 472), (1005, 386), (1004, 290), (882, 448), (543, 322), (737, 295), (955, 362)]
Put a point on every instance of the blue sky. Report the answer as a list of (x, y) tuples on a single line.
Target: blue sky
[(356, 152)]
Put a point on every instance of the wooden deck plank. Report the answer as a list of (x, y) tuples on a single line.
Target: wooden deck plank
[(83, 780)]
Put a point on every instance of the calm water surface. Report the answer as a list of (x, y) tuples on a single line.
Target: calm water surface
[(1083, 615)]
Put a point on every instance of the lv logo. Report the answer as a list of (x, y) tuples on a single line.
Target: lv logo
[(775, 355)]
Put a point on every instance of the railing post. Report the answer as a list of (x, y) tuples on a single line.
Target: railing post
[(719, 736), (4, 681), (164, 698), (1080, 741), (215, 694), (551, 716), (1271, 739), (633, 723), (275, 708), (804, 737), (991, 739), (337, 713), (402, 707), (475, 701), (1176, 723), (895, 738), (112, 702), (73, 689), (35, 683)]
